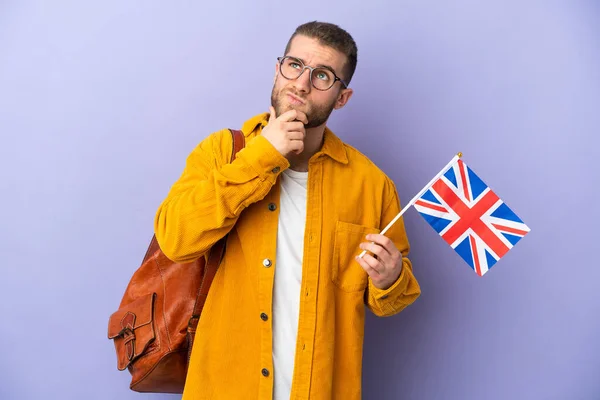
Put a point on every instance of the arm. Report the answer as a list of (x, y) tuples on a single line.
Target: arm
[(392, 285), (208, 198)]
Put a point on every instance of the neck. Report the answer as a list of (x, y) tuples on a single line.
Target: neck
[(312, 144)]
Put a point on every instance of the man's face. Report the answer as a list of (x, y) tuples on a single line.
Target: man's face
[(299, 93)]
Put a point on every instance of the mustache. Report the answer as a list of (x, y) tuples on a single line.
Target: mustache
[(298, 95)]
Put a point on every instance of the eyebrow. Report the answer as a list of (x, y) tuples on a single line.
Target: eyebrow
[(318, 66)]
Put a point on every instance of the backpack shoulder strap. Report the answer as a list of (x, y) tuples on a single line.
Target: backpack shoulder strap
[(239, 141), (216, 253)]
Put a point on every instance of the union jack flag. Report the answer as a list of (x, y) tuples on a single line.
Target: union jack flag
[(470, 217)]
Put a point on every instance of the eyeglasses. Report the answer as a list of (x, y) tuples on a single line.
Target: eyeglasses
[(322, 78)]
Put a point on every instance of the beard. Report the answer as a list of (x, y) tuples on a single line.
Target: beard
[(316, 115)]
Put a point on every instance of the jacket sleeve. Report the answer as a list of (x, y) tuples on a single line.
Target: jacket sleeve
[(406, 289), (208, 198)]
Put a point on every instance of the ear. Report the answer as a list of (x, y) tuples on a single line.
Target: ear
[(343, 98), (276, 72)]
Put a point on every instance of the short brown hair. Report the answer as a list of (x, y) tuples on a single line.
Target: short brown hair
[(333, 36)]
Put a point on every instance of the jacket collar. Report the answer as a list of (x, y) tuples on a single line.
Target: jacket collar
[(332, 145)]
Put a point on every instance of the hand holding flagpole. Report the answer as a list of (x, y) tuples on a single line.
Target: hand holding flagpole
[(414, 199)]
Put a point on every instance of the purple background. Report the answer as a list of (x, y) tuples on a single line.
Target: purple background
[(101, 102)]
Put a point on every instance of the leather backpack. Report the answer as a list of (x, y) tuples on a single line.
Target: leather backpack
[(154, 328)]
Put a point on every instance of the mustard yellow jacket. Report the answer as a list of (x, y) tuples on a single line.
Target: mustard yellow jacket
[(347, 198)]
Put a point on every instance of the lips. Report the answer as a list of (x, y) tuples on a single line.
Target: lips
[(294, 100)]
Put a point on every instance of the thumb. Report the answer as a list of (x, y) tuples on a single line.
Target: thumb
[(272, 116)]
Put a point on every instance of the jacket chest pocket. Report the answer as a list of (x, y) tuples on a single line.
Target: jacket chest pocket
[(346, 273)]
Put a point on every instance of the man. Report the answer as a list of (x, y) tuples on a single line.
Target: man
[(285, 314)]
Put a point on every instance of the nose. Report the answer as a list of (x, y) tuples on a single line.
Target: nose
[(303, 83)]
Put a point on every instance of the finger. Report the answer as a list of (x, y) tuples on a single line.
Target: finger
[(382, 241), (272, 116), (368, 269), (297, 146), (288, 116), (376, 249), (302, 117), (294, 126), (373, 263), (297, 135)]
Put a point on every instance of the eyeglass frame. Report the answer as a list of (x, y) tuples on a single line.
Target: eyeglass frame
[(311, 69)]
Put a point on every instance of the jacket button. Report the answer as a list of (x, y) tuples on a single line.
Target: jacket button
[(272, 206), (265, 372), (267, 263), (264, 316), (275, 170)]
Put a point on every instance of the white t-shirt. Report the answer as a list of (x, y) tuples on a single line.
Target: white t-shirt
[(288, 279)]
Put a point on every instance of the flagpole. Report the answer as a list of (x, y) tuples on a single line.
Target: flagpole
[(414, 199)]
